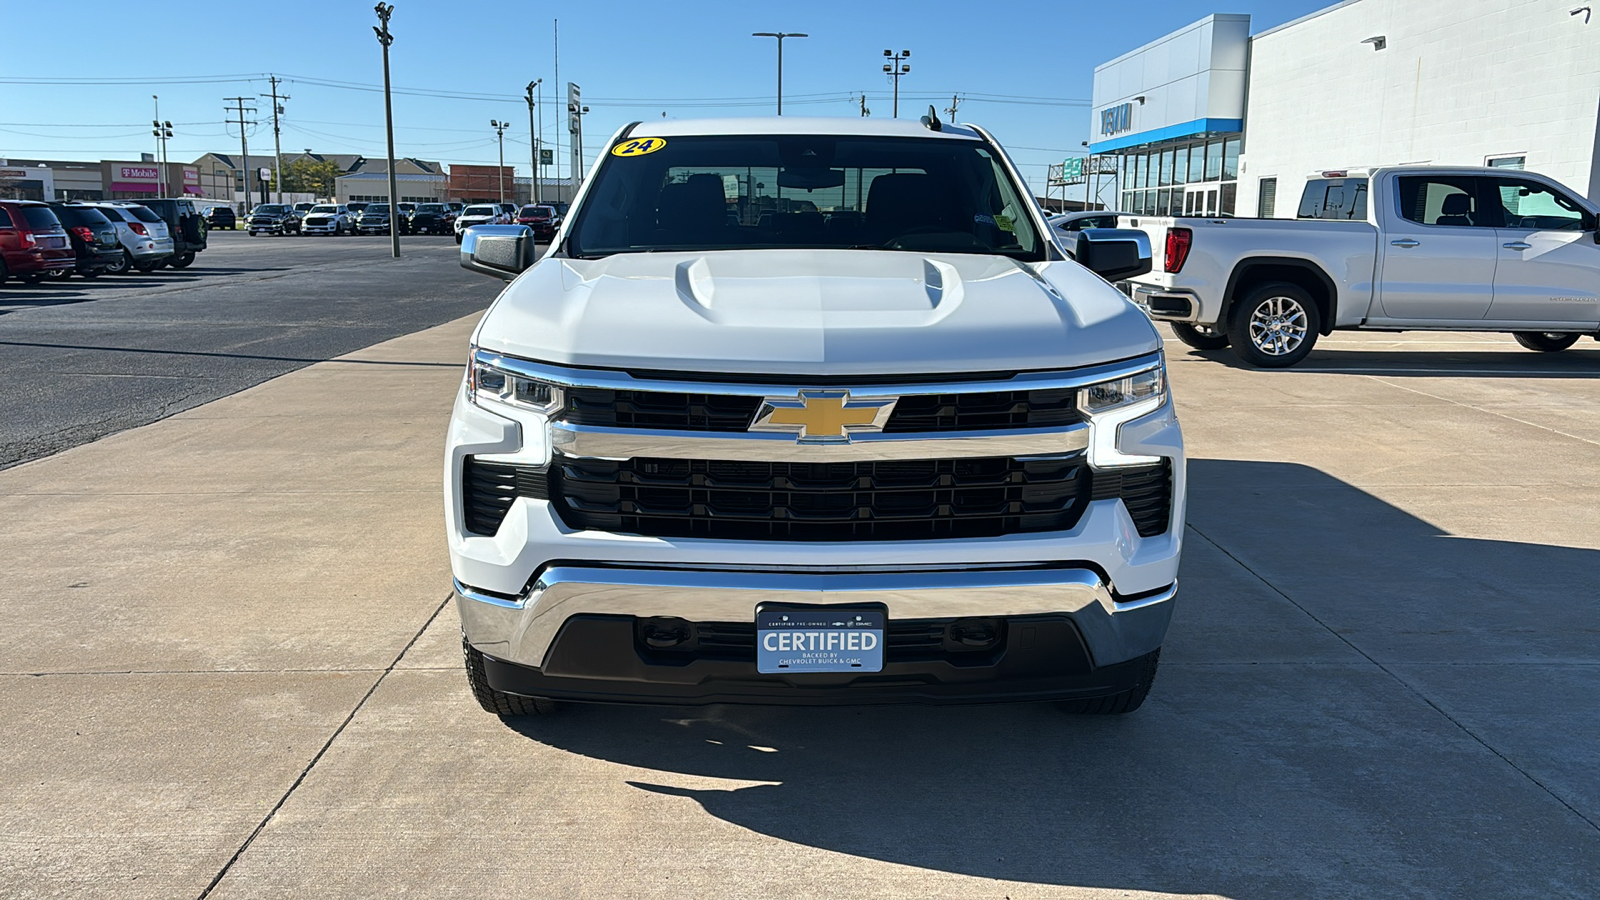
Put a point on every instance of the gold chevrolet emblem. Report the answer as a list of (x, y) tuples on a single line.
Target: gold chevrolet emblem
[(823, 416)]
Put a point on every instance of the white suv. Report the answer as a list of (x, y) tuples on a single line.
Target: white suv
[(852, 430), (143, 235), (479, 214), (327, 218)]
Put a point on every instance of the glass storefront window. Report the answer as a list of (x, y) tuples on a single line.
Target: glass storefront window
[(1149, 203), (1180, 165), (1230, 160), (1214, 161), (1230, 191), (1197, 163), (1166, 169), (1135, 171)]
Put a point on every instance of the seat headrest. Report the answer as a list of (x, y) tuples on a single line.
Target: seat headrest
[(1456, 205), (903, 200)]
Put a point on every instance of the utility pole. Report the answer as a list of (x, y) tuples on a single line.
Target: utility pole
[(500, 133), (385, 38), (780, 36), (955, 103), (895, 68), (277, 144), (244, 149), (864, 111), (537, 196), (556, 27)]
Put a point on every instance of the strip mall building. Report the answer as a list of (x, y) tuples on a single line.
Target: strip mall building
[(1212, 120)]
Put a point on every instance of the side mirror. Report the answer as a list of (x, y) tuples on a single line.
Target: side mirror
[(504, 251), (1113, 253)]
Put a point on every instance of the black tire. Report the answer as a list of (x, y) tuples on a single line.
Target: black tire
[(4, 274), (1200, 337), (1124, 701), (458, 237), (499, 702), (182, 260), (91, 274), (1546, 341), (1274, 325), (32, 279), (123, 266)]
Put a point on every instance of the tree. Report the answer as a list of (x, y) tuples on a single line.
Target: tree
[(310, 177)]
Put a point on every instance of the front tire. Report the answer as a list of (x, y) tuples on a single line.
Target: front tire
[(1546, 341), (1123, 701), (499, 702), (182, 260), (1274, 326), (1200, 337)]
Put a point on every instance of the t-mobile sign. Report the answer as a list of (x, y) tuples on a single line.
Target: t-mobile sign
[(138, 173)]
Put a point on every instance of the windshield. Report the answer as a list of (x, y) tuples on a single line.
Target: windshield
[(431, 208), (266, 209), (377, 208), (324, 209), (936, 195), (481, 211)]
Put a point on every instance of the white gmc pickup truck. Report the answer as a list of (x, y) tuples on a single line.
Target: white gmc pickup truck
[(1387, 249), (811, 411)]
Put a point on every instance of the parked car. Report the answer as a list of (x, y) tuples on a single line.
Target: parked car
[(32, 242), (919, 456), (93, 237), (1070, 223), (456, 206), (1402, 248), (273, 218), (221, 217), (509, 211), (186, 225), (301, 209), (432, 218), (146, 241), (327, 218), (356, 207), (544, 220), (406, 208), (478, 214), (374, 219)]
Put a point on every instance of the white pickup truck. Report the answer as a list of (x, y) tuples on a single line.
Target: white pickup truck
[(1387, 249), (811, 411)]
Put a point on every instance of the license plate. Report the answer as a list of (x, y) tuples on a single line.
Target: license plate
[(818, 639)]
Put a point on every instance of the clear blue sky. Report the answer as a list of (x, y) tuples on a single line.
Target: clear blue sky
[(634, 60)]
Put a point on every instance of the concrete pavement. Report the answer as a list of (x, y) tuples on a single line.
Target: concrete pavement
[(229, 670)]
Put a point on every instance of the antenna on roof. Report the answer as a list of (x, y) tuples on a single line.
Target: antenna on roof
[(931, 120)]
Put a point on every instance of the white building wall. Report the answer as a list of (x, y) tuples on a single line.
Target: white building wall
[(1196, 72), (1459, 81)]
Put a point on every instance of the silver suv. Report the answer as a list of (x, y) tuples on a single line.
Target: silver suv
[(146, 242)]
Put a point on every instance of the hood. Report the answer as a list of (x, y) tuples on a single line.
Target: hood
[(817, 312)]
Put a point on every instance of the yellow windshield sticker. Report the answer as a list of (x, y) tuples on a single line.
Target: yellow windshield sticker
[(638, 147), (1004, 223)]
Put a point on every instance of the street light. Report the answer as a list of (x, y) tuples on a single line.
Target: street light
[(780, 35), (896, 67), (384, 11), (500, 133), (538, 194), (162, 130)]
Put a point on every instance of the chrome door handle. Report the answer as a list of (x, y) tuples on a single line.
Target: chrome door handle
[(1518, 245), (1405, 242)]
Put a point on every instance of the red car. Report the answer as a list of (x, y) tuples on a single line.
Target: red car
[(32, 242), (544, 220)]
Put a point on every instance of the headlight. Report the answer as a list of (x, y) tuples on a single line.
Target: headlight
[(1109, 405), (1109, 395), (487, 383)]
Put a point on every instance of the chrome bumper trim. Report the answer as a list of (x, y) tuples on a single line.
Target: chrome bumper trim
[(521, 630), (593, 442)]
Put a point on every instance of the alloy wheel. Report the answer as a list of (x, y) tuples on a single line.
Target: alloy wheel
[(1278, 326)]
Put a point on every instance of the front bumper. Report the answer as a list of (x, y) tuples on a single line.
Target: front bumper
[(269, 228), (319, 229), (573, 634)]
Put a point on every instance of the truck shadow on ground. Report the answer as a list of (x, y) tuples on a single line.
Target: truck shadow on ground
[(1582, 360), (1274, 758)]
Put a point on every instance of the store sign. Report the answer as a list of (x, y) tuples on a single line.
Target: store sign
[(192, 176), (138, 173), (13, 173), (1116, 119)]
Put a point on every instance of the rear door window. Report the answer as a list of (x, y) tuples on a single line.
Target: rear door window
[(5, 219), (113, 214), (144, 214), (1442, 200)]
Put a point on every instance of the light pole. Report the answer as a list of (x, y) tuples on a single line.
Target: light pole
[(780, 35), (896, 67), (163, 132), (537, 195), (384, 11), (500, 133)]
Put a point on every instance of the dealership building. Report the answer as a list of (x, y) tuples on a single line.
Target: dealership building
[(1213, 120)]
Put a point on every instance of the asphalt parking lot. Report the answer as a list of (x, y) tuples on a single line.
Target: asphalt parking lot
[(230, 670)]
